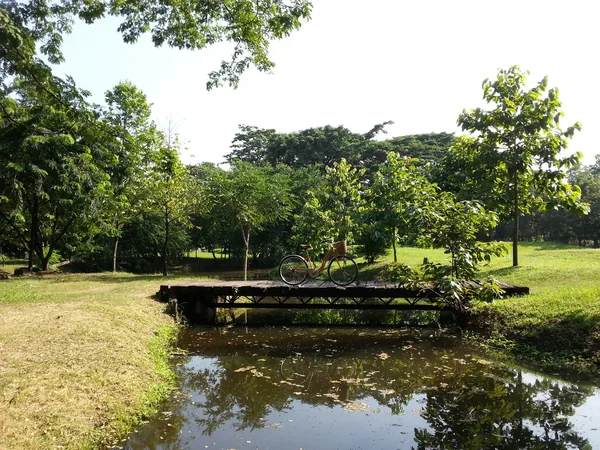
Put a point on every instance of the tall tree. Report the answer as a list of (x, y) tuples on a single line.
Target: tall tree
[(172, 193), (253, 197), (512, 160), (128, 112)]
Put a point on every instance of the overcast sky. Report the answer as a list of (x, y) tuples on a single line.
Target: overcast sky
[(358, 63)]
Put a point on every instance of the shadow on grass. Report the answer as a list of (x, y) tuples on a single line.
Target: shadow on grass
[(543, 246), (368, 272), (502, 271), (175, 276)]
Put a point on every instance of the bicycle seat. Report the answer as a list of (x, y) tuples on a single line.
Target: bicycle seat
[(305, 246)]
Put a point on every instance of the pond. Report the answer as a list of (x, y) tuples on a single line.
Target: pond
[(357, 388)]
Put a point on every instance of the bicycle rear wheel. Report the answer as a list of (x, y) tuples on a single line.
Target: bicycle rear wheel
[(342, 270), (293, 269)]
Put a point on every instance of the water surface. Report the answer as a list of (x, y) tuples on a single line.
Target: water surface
[(302, 388)]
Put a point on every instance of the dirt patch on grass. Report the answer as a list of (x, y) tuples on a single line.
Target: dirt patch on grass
[(72, 372)]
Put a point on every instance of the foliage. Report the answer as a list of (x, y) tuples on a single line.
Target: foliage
[(455, 226), (437, 282), (397, 192), (173, 193), (248, 25), (511, 161), (251, 197), (427, 147), (320, 146), (332, 211), (128, 114), (53, 181)]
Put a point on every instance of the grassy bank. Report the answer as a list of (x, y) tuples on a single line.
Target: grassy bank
[(83, 358), (557, 326)]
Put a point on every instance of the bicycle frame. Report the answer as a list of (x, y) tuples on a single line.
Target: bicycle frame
[(294, 269), (314, 271)]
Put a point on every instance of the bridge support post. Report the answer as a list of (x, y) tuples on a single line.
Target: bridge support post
[(205, 313), (196, 309)]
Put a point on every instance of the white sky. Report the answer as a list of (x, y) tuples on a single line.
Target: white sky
[(358, 63)]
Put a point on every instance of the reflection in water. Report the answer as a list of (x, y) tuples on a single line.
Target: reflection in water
[(317, 388)]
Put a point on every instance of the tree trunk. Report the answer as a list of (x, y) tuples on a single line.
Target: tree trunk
[(114, 255), (165, 252), (246, 237), (33, 232), (516, 225), (30, 252), (394, 245)]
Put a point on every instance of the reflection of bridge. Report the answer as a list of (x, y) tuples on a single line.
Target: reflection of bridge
[(198, 299)]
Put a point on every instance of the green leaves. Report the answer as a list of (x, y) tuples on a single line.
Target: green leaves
[(456, 226), (331, 212), (185, 24), (53, 179)]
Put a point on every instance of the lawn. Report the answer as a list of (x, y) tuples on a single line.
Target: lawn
[(83, 358)]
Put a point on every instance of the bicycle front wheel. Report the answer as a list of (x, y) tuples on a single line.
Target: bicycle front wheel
[(293, 269), (342, 270)]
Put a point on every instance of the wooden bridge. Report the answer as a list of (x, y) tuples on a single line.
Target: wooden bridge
[(198, 300)]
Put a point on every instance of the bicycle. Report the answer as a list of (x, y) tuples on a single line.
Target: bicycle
[(342, 270)]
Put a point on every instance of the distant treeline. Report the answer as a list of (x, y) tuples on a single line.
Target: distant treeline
[(104, 187)]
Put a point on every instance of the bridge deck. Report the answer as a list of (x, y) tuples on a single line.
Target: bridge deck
[(276, 294)]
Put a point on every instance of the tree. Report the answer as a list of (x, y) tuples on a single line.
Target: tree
[(456, 227), (249, 25), (321, 146), (53, 182), (332, 210), (396, 189), (588, 178), (172, 193), (428, 147), (253, 197), (512, 160), (128, 113)]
